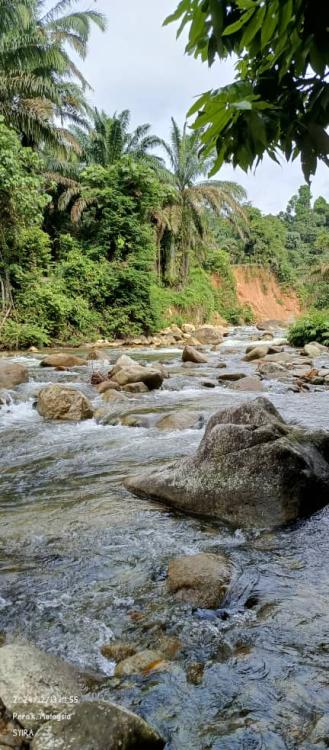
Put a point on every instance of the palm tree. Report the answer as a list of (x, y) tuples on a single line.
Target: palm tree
[(106, 143), (41, 88), (182, 224), (109, 139)]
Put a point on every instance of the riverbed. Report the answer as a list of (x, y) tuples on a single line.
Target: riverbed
[(84, 563)]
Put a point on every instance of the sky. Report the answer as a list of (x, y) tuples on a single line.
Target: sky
[(138, 64)]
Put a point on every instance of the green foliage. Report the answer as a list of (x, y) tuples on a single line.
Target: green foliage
[(15, 335), (41, 87), (314, 326), (279, 99)]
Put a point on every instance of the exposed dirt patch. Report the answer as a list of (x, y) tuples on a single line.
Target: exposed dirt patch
[(258, 287)]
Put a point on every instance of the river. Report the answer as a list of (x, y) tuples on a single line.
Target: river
[(83, 562)]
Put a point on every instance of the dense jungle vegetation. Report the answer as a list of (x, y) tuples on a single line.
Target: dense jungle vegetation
[(107, 231)]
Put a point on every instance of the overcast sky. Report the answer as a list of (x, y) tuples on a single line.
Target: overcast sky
[(139, 65)]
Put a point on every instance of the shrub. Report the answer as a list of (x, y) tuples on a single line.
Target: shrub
[(15, 335), (314, 326)]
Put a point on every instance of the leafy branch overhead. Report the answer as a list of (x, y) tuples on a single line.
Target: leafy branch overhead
[(279, 100)]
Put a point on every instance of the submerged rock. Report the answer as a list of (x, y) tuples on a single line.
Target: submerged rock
[(250, 470), (118, 651), (183, 420), (59, 402), (143, 661), (201, 580), (12, 374), (62, 360), (192, 355), (97, 726), (257, 352)]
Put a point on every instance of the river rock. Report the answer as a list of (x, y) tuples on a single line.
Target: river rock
[(272, 370), (143, 661), (183, 420), (97, 726), (134, 420), (94, 355), (314, 349), (107, 385), (111, 395), (250, 470), (201, 580), (188, 328), (32, 681), (138, 374), (135, 388), (62, 360), (118, 651), (270, 325), (249, 383), (209, 335), (231, 376), (257, 352), (59, 402), (12, 374), (192, 355)]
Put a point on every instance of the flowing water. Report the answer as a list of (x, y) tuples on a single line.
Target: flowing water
[(82, 563)]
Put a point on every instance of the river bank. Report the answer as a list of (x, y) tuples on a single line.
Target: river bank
[(84, 563)]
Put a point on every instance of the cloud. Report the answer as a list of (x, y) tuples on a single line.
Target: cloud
[(139, 65)]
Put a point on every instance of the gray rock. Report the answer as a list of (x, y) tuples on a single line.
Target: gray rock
[(32, 681), (12, 374), (208, 334), (192, 355), (97, 726), (201, 580), (251, 384), (58, 402), (250, 470)]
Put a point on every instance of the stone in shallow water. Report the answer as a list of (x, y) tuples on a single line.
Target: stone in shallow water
[(250, 470), (201, 580), (143, 661), (97, 726), (59, 402)]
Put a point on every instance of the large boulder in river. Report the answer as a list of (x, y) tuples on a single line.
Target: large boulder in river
[(209, 334), (59, 402), (12, 374), (192, 355), (97, 726), (201, 580), (62, 360), (250, 470)]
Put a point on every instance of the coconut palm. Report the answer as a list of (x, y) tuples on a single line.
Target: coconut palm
[(109, 139), (182, 225), (41, 88)]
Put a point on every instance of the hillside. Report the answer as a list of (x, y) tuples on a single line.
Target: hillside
[(258, 287)]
